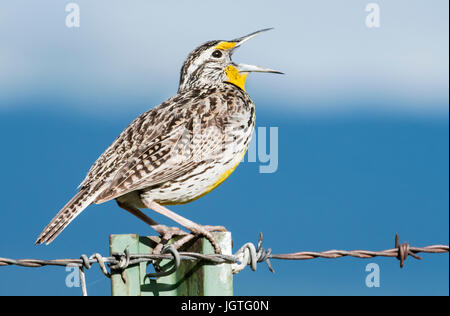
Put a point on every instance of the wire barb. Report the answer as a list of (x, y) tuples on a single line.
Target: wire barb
[(249, 255), (403, 251), (176, 262)]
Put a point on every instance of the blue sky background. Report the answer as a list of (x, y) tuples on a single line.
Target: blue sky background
[(363, 133)]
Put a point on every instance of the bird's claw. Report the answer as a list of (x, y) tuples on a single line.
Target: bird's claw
[(168, 233)]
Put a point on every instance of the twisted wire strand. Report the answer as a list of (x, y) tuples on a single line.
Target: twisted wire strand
[(247, 255), (364, 254), (122, 261)]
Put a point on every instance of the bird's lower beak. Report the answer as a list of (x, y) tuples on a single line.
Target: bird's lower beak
[(244, 68)]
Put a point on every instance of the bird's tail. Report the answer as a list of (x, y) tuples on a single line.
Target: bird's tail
[(66, 215)]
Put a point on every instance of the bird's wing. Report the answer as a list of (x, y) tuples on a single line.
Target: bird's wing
[(178, 147)]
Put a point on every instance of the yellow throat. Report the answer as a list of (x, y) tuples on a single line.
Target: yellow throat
[(232, 72), (235, 77)]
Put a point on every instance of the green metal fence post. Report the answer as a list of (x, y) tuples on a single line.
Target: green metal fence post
[(192, 278)]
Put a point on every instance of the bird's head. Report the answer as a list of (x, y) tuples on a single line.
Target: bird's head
[(210, 65)]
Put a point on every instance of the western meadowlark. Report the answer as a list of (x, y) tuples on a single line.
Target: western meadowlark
[(178, 151)]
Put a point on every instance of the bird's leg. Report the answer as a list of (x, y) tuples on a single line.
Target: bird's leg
[(166, 232), (194, 228)]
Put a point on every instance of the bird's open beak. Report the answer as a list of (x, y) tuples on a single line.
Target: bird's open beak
[(237, 74), (245, 68)]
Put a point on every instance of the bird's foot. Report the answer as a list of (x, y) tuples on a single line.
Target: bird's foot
[(198, 231), (166, 234), (202, 231)]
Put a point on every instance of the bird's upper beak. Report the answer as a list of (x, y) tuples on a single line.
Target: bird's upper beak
[(245, 68), (241, 40)]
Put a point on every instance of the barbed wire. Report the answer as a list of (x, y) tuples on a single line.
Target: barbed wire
[(247, 255)]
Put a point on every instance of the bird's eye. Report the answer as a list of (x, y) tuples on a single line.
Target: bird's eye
[(217, 54)]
